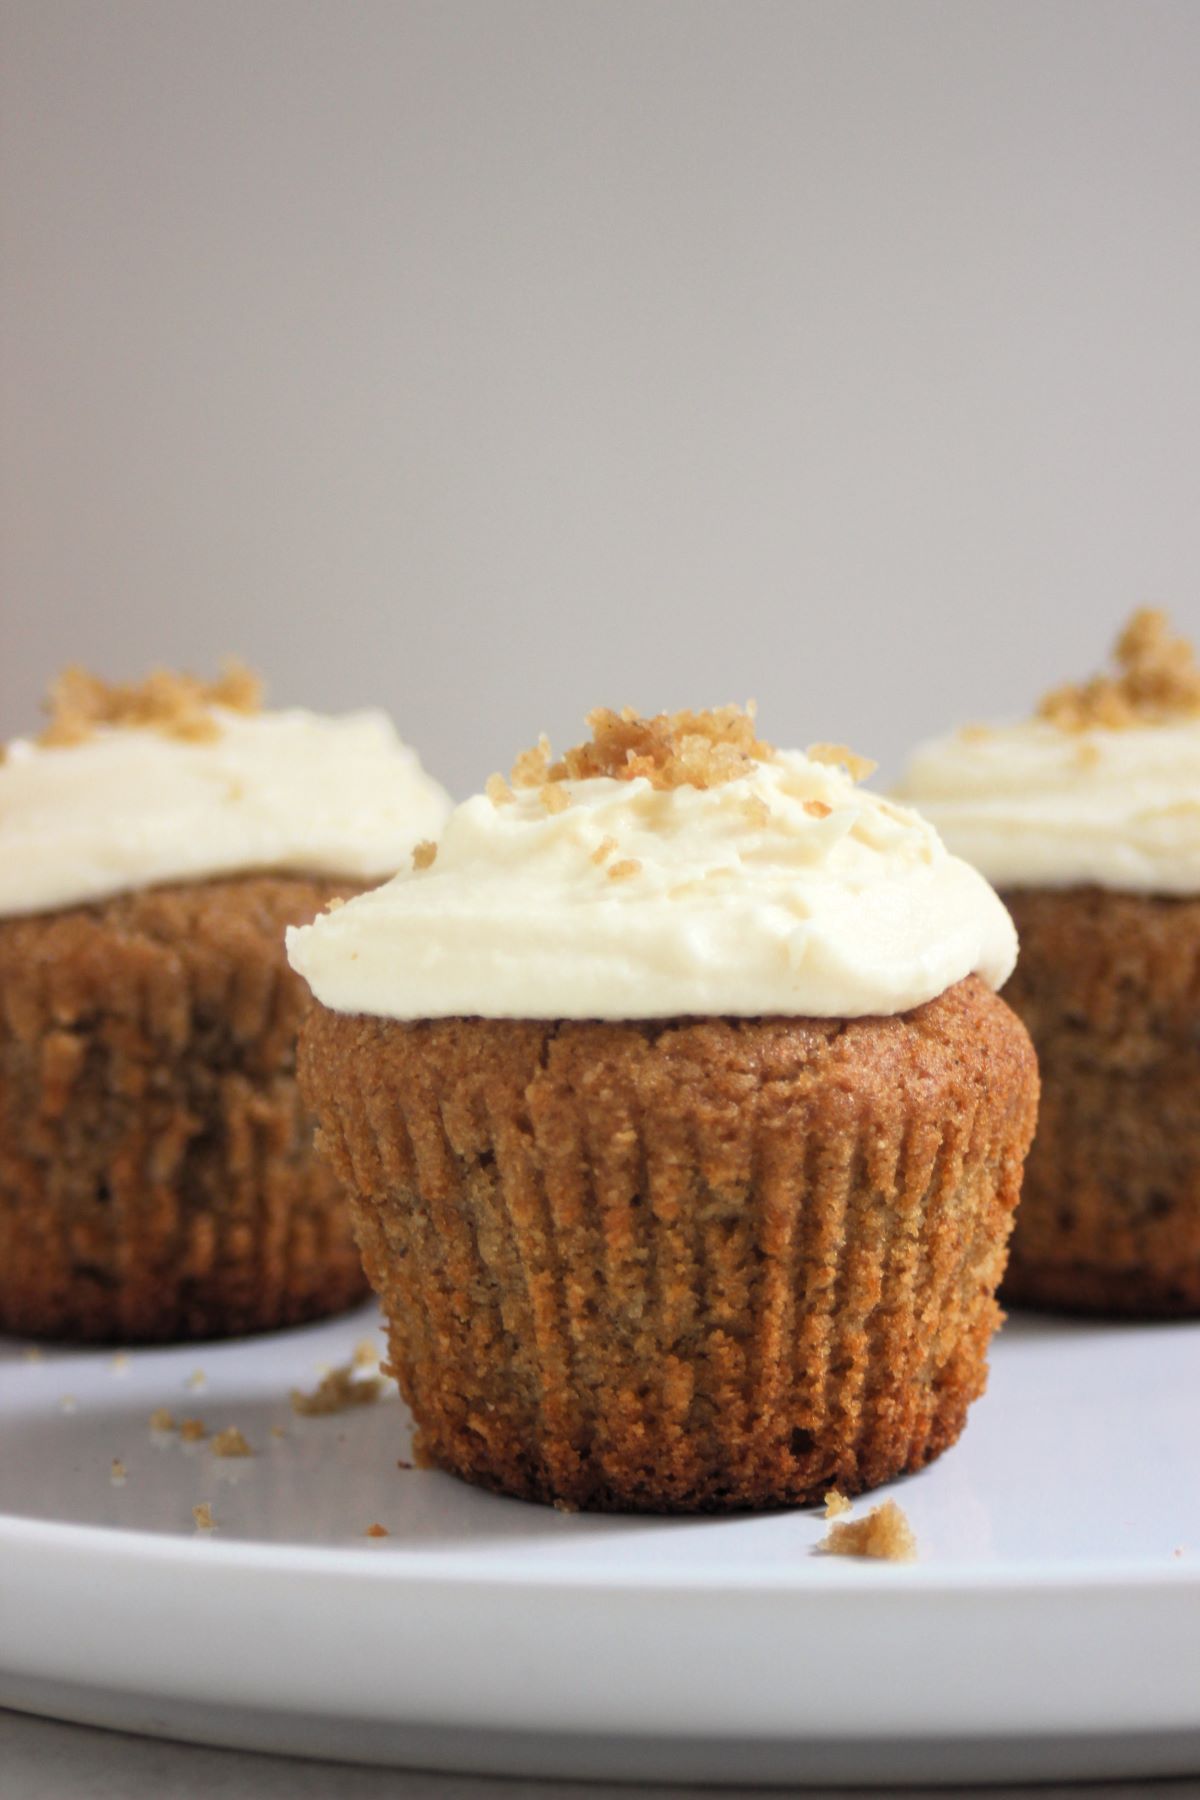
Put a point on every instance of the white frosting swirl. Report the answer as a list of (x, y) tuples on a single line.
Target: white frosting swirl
[(1032, 805), (130, 808), (744, 899)]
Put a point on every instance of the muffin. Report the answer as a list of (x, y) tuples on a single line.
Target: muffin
[(157, 1179), (680, 1120), (1087, 818)]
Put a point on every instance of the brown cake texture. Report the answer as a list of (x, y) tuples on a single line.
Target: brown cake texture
[(686, 1265), (157, 1178), (1109, 987)]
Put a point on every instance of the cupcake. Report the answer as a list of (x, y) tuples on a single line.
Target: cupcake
[(1087, 818), (681, 1122), (156, 1173)]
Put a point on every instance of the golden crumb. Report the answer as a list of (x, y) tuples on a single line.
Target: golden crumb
[(841, 756), (162, 1420), (1157, 679), (683, 749), (376, 1531), (277, 1431), (335, 903), (178, 705), (230, 1442), (604, 848), (835, 1504), (203, 1514), (118, 1472), (366, 1354), (424, 854), (197, 1380), (554, 796), (337, 1392), (884, 1532), (497, 790), (817, 809), (621, 871), (192, 1430)]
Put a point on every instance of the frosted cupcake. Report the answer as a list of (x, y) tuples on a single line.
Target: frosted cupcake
[(1088, 820), (156, 1173), (681, 1122)]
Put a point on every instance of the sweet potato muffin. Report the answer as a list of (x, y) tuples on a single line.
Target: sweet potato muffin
[(681, 1123), (1088, 820), (157, 1178)]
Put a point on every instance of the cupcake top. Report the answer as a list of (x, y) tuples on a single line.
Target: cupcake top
[(1102, 787), (670, 866), (174, 779)]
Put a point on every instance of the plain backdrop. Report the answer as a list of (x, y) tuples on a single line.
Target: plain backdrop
[(492, 359)]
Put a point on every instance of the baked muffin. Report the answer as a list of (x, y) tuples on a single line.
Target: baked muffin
[(157, 1179), (1088, 820), (681, 1123)]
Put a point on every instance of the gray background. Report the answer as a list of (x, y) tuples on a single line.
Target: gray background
[(492, 360)]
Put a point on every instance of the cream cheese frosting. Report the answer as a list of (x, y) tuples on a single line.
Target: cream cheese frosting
[(788, 890), (130, 807), (1034, 805)]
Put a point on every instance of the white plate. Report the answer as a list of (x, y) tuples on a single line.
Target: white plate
[(1050, 1630)]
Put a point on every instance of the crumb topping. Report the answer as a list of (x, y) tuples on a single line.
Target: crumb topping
[(841, 756), (1156, 680), (162, 1420), (203, 1514), (193, 1430), (884, 1532), (683, 749), (621, 871), (230, 1442), (424, 854), (337, 1391), (118, 1472), (178, 705), (377, 1531), (836, 1503), (366, 1354)]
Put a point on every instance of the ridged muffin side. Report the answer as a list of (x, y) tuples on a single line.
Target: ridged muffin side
[(682, 1265), (1109, 986), (157, 1179)]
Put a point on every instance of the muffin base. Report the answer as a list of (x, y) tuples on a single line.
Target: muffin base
[(157, 1179), (1109, 987), (683, 1265)]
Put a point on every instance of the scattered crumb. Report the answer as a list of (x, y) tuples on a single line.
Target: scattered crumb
[(118, 1472), (203, 1514), (162, 1420), (68, 1403), (178, 705), (621, 871), (333, 905), (554, 797), (683, 749), (1157, 679), (121, 1363), (366, 1354), (337, 1392), (498, 790), (817, 809), (835, 1504), (197, 1380), (230, 1442), (402, 1464), (424, 854), (884, 1532), (604, 848), (277, 1431), (32, 1355), (192, 1430), (377, 1531), (857, 767)]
